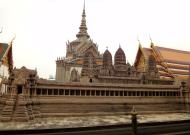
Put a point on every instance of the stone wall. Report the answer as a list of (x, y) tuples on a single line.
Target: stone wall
[(65, 106)]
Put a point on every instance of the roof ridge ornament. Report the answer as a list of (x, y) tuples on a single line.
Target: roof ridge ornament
[(151, 42), (83, 28), (138, 40)]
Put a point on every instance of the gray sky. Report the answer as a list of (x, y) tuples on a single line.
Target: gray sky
[(43, 26)]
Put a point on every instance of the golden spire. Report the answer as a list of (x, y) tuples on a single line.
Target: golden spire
[(83, 28)]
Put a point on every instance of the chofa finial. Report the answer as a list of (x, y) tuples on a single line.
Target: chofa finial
[(138, 39), (151, 43)]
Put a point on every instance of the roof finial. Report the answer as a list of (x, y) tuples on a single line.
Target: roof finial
[(138, 40), (84, 5), (106, 47), (11, 42), (13, 38), (119, 45), (151, 43), (83, 29)]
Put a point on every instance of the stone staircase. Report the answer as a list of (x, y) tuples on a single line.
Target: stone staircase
[(36, 108), (18, 108), (23, 110), (8, 108)]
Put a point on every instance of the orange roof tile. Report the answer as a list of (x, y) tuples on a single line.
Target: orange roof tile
[(147, 51), (174, 56)]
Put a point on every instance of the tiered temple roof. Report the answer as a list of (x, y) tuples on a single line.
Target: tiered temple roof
[(170, 62)]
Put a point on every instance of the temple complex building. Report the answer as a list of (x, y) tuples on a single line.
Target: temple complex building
[(70, 68), (170, 63), (90, 83), (6, 63), (84, 63)]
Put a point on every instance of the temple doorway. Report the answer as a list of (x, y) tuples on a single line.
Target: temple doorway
[(19, 89), (90, 80)]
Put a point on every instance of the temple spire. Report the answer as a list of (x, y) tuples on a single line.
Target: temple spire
[(83, 28)]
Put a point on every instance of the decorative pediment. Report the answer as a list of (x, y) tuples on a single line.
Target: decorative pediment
[(92, 50)]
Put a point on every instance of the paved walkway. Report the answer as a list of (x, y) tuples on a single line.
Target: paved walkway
[(65, 122)]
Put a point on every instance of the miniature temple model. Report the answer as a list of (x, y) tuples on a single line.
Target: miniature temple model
[(90, 83)]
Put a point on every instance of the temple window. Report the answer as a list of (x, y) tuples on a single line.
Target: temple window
[(82, 93), (102, 93), (38, 91), (93, 92), (161, 93), (44, 91), (125, 93), (49, 92), (88, 92), (78, 92), (97, 93), (60, 92), (66, 92), (72, 92), (111, 93), (107, 93), (121, 93), (146, 93), (138, 93), (55, 92), (134, 93), (150, 93), (116, 93)]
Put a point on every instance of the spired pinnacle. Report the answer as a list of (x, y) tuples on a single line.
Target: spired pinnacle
[(83, 28)]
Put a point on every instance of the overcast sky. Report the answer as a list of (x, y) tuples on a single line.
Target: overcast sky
[(43, 26)]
